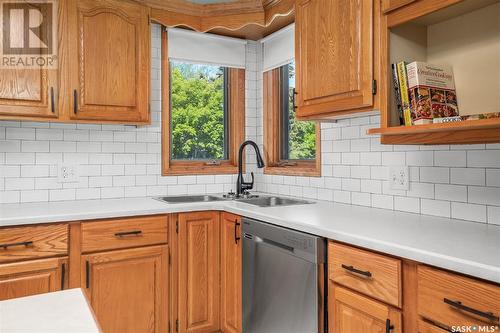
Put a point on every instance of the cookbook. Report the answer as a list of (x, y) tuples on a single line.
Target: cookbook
[(431, 92)]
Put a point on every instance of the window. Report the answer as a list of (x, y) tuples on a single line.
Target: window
[(198, 106), (292, 145), (203, 117)]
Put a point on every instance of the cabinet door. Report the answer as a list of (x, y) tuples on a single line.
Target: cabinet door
[(29, 92), (109, 61), (353, 313), (199, 272), (128, 289), (231, 288), (388, 5), (32, 277), (334, 55)]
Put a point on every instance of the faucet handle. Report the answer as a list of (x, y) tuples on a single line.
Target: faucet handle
[(248, 185)]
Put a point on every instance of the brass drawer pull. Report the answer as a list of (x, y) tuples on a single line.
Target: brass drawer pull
[(459, 306), (5, 246), (129, 233), (367, 274)]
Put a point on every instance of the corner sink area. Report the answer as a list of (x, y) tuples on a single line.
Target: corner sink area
[(261, 201), (189, 199), (274, 201)]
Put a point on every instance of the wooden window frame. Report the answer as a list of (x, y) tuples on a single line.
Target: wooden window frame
[(273, 132), (235, 121)]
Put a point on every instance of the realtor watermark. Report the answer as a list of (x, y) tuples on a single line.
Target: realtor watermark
[(475, 328), (29, 34)]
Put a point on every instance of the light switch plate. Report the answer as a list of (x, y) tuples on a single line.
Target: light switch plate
[(67, 174), (399, 177)]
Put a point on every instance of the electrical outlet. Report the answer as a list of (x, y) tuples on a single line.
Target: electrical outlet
[(67, 174), (399, 177)]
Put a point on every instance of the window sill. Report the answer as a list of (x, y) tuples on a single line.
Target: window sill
[(308, 171), (185, 170)]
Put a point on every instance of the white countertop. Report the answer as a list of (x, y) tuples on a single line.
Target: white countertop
[(57, 312), (465, 247)]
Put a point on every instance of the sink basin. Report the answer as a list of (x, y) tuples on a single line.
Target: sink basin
[(189, 198), (274, 201)]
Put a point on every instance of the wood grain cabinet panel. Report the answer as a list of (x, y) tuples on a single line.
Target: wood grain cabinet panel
[(109, 51), (124, 233), (425, 327), (199, 272), (29, 92), (32, 277), (128, 289), (352, 313), (334, 55), (389, 5), (40, 241), (231, 278), (454, 300), (369, 273)]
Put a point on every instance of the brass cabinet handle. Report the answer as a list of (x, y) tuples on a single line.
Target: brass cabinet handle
[(7, 245), (368, 274), (459, 306)]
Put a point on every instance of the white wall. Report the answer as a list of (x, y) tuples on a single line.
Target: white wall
[(115, 161), (124, 161)]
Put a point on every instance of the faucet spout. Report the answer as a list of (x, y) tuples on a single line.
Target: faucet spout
[(241, 185)]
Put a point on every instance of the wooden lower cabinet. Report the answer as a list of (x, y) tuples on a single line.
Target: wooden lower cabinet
[(128, 289), (198, 272), (231, 265), (32, 277), (350, 312)]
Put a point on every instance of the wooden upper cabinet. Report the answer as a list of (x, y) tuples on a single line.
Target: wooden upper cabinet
[(128, 289), (353, 313), (334, 56), (32, 277), (389, 5), (199, 276), (28, 93), (109, 51), (231, 266)]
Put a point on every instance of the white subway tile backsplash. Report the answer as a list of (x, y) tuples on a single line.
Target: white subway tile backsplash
[(434, 175), (483, 158), (407, 204), (451, 192), (468, 176), (15, 133), (450, 158), (436, 207), (471, 212), (494, 215), (492, 177), (484, 195)]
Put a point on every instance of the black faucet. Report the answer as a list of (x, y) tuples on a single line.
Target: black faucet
[(241, 185)]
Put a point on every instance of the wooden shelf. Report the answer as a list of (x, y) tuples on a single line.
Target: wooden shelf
[(465, 132)]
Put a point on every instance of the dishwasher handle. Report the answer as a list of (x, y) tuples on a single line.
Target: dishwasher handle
[(272, 243)]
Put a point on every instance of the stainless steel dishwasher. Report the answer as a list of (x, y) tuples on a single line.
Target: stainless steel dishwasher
[(283, 280)]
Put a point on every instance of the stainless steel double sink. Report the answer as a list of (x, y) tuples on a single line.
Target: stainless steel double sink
[(261, 201)]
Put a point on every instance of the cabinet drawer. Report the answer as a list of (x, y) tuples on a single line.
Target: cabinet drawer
[(369, 273), (124, 233), (32, 242), (425, 327), (455, 300)]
